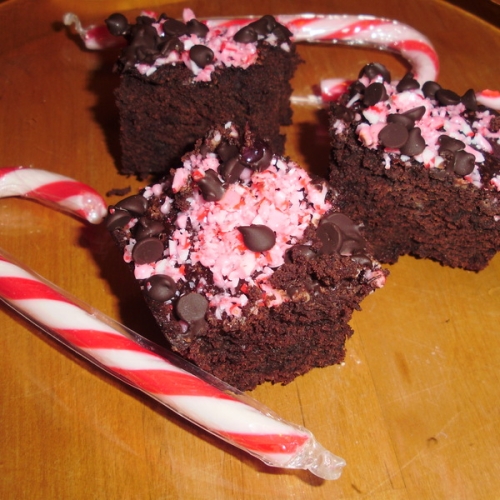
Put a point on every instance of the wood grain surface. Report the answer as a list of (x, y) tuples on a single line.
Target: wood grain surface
[(414, 409)]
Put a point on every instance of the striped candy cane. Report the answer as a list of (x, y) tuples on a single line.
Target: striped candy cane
[(53, 189), (214, 406)]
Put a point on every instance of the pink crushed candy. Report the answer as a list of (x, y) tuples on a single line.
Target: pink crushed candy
[(281, 197)]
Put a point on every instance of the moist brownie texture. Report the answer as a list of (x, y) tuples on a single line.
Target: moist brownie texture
[(246, 263), (420, 167), (179, 78)]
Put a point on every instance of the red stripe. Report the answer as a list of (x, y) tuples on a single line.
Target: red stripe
[(7, 170), (268, 443), (60, 190), (96, 339), (416, 45), (168, 383), (14, 288)]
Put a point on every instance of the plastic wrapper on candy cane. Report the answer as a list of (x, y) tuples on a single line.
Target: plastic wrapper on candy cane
[(175, 383)]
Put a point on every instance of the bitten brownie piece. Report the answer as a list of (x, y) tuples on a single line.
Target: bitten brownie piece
[(178, 79), (420, 167), (246, 263)]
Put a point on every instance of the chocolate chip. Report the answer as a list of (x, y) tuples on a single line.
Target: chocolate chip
[(415, 113), (282, 33), (147, 251), (171, 44), (407, 83), (373, 70), (356, 88), (258, 156), (146, 228), (464, 163), (201, 55), (173, 27), (160, 287), (231, 170), (117, 24), (117, 218), (330, 237), (136, 204), (299, 251), (415, 143), (375, 92), (194, 27), (246, 35), (265, 25), (339, 234), (447, 143), (393, 135), (430, 88), (469, 100), (192, 307), (447, 97), (407, 121), (226, 151), (211, 186), (343, 113), (257, 237)]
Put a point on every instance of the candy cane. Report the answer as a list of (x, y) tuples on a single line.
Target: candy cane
[(365, 31), (53, 189), (185, 389)]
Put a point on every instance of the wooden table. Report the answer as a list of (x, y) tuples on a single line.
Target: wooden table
[(415, 408)]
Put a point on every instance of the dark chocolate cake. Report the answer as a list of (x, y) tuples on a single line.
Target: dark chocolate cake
[(245, 261), (178, 79), (420, 167)]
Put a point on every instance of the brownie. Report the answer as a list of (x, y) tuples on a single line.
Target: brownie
[(420, 167), (246, 263), (178, 79)]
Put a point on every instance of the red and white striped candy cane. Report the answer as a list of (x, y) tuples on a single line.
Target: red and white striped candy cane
[(53, 189), (214, 406), (193, 394)]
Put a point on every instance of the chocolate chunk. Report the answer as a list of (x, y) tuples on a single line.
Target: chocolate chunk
[(330, 237), (407, 121), (117, 24), (146, 228), (375, 92), (430, 88), (211, 186), (415, 143), (192, 307), (343, 113), (393, 135), (415, 113), (117, 218), (136, 204), (469, 100), (447, 143), (447, 97), (194, 27), (464, 163), (407, 83), (160, 287), (373, 70), (258, 156), (202, 56), (246, 35), (231, 170), (173, 27), (282, 33), (147, 251), (257, 237)]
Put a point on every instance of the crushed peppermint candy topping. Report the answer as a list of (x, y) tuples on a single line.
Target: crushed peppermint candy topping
[(410, 122)]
